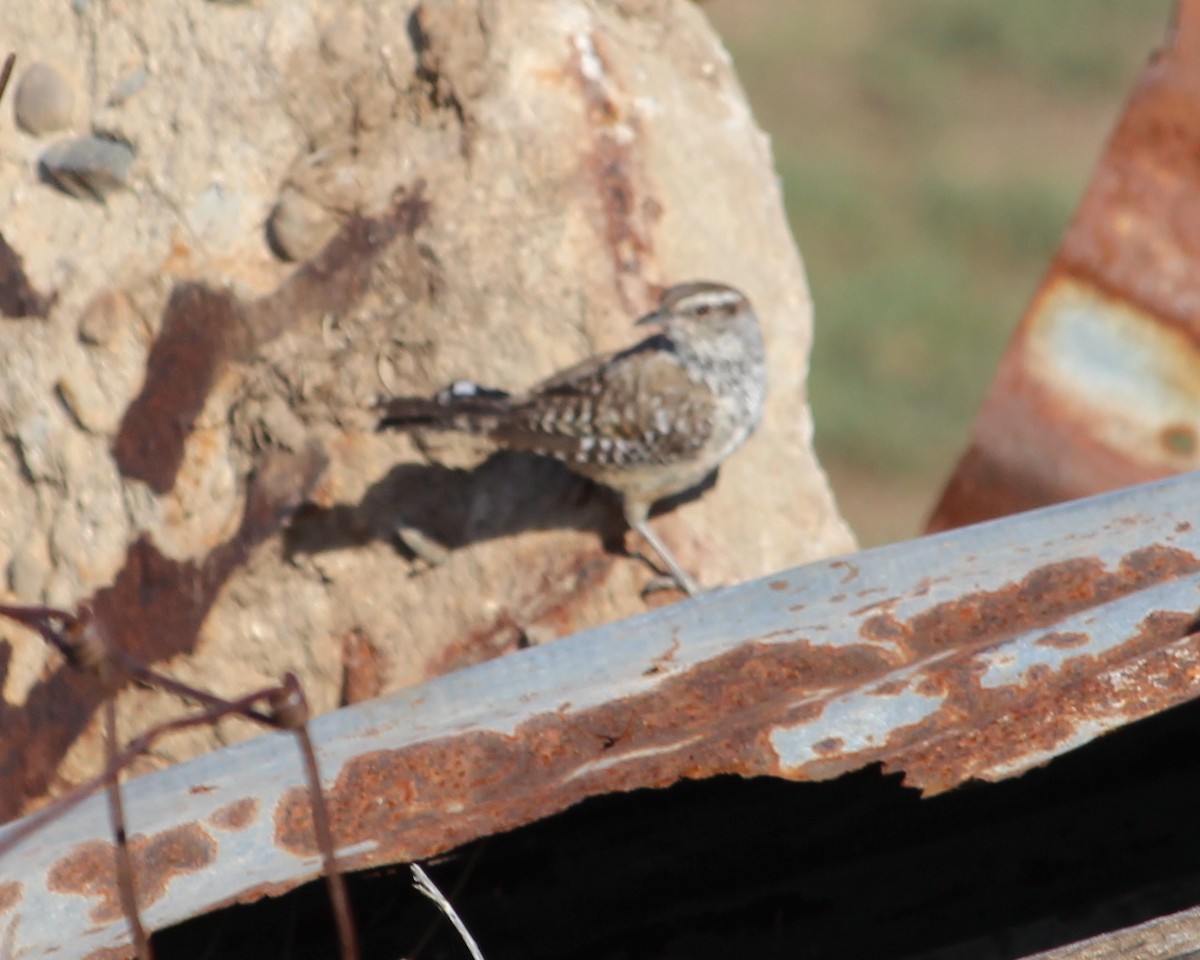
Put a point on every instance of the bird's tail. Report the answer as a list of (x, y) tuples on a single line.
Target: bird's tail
[(462, 406)]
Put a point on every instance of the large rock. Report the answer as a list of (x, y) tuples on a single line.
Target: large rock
[(330, 201)]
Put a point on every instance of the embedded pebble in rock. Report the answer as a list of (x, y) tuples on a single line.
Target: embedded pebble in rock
[(30, 567), (84, 400), (128, 86), (299, 226), (104, 315), (43, 101), (87, 166)]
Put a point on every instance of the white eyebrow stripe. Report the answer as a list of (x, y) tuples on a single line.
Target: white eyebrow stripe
[(714, 298)]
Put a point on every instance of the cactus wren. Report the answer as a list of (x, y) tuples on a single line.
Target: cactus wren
[(648, 422)]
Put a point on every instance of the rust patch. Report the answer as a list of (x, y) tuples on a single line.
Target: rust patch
[(409, 801), (204, 330), (1010, 725), (851, 569), (237, 815), (1039, 438), (110, 953), (154, 611), (503, 635), (610, 162), (18, 298), (778, 585), (1063, 641), (362, 667), (89, 872), (1041, 599), (10, 895), (663, 661), (338, 277), (888, 688), (723, 716), (547, 606)]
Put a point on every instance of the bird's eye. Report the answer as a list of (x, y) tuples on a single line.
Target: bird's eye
[(702, 310)]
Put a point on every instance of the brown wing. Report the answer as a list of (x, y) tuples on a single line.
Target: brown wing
[(633, 407)]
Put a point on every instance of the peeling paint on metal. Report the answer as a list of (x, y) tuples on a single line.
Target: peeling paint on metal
[(235, 816), (1100, 386), (805, 743), (972, 655), (157, 859)]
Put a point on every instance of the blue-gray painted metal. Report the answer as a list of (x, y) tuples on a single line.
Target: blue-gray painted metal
[(820, 604)]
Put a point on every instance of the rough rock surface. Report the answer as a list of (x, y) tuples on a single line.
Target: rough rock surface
[(331, 200)]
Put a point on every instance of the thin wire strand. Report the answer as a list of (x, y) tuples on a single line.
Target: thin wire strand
[(123, 859), (338, 895), (84, 644), (426, 886)]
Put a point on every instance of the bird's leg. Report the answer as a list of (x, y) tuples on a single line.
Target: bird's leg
[(637, 520)]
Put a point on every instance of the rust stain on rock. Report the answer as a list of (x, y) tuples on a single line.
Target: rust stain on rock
[(610, 163), (89, 870), (362, 667), (337, 278), (237, 815), (204, 330), (549, 607), (154, 611)]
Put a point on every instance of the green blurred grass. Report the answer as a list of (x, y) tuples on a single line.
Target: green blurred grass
[(931, 154)]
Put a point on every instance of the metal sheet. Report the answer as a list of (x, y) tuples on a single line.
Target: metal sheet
[(1100, 387), (974, 654)]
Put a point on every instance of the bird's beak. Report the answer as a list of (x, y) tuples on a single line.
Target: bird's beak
[(655, 316)]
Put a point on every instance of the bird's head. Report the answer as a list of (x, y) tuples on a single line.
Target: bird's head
[(702, 309)]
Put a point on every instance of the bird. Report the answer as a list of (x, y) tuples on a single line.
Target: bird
[(647, 422)]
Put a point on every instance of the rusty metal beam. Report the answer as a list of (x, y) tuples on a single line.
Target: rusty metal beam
[(1176, 937), (970, 655), (1100, 386)]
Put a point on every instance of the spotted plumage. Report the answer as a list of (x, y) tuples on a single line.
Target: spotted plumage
[(649, 421)]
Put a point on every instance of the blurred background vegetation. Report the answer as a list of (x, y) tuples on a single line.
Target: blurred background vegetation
[(931, 154)]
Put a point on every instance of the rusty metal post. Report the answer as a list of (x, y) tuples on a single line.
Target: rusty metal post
[(1100, 387)]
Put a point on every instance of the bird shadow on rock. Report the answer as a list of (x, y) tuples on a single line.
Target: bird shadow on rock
[(429, 510)]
